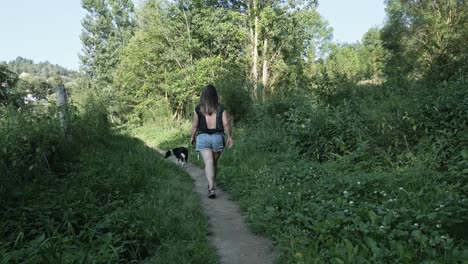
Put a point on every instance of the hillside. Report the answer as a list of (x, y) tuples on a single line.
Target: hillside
[(44, 69)]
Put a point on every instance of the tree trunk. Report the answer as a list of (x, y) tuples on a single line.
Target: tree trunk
[(62, 103), (254, 43), (265, 67)]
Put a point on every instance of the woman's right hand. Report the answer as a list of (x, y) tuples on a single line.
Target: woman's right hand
[(230, 143), (192, 140)]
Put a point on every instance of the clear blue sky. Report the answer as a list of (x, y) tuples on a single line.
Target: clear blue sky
[(41, 30), (351, 19), (50, 29)]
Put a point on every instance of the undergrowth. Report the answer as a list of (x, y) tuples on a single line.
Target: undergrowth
[(94, 196), (365, 175)]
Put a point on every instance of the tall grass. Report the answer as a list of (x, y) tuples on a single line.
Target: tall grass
[(363, 175), (369, 174), (101, 197)]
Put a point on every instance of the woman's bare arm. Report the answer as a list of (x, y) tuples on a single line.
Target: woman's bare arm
[(227, 130), (194, 128)]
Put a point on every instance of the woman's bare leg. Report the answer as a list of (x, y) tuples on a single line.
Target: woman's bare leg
[(210, 169), (216, 156)]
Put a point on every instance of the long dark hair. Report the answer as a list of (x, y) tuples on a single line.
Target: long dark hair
[(209, 100)]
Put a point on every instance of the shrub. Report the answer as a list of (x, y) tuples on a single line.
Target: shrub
[(235, 97)]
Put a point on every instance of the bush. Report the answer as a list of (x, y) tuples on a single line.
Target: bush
[(381, 176), (29, 140), (235, 97)]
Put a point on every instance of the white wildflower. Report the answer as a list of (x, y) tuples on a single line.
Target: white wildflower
[(345, 192), (358, 183), (416, 224), (439, 225), (351, 202), (401, 189), (346, 211), (443, 237)]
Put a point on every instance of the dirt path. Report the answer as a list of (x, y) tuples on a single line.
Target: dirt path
[(233, 240)]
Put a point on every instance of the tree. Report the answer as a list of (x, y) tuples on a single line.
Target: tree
[(107, 27), (342, 65), (179, 47), (372, 54), (426, 39), (182, 45), (283, 35), (8, 80)]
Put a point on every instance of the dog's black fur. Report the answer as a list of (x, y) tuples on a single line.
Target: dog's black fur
[(181, 153)]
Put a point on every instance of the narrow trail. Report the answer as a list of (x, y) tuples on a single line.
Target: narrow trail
[(234, 242)]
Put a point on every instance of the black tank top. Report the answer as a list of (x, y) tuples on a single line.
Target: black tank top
[(202, 126)]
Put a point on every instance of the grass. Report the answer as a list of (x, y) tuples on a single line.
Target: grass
[(321, 213), (121, 203), (167, 135), (389, 203)]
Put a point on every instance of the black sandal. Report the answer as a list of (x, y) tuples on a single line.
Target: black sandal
[(211, 193)]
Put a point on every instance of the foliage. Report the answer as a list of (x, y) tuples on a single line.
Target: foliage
[(290, 34), (175, 53), (347, 64), (380, 175), (8, 80), (95, 197), (341, 66), (181, 46), (107, 27), (372, 55), (44, 69), (235, 96), (426, 39), (37, 88), (391, 125)]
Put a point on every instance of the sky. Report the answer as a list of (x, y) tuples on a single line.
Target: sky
[(351, 19), (50, 29)]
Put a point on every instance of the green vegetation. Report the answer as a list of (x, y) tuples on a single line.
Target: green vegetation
[(359, 156), (96, 196), (107, 27), (368, 174), (44, 69), (342, 184), (344, 153)]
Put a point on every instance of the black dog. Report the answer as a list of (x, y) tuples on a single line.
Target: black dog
[(181, 153)]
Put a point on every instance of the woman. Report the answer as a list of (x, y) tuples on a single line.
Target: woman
[(210, 124)]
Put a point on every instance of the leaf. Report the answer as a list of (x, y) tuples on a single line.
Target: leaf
[(420, 237), (376, 251), (431, 216), (373, 217), (464, 153)]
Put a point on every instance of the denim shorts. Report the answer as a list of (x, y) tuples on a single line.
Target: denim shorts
[(214, 142)]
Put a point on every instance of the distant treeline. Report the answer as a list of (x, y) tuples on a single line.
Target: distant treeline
[(43, 69)]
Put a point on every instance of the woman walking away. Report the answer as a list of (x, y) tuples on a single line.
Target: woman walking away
[(210, 123)]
